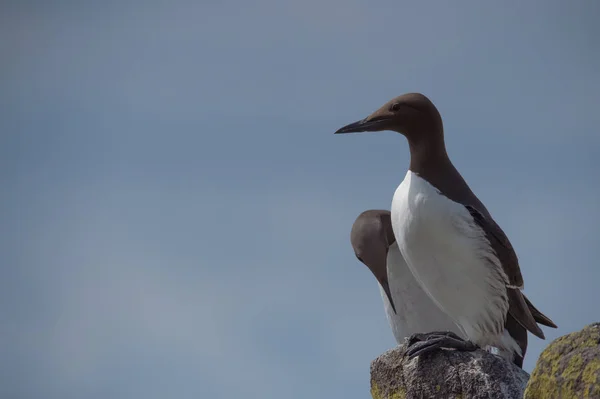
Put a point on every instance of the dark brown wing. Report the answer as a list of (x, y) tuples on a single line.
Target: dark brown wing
[(519, 334), (501, 245), (518, 307)]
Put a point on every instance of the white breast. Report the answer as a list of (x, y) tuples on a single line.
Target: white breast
[(452, 259), (415, 311)]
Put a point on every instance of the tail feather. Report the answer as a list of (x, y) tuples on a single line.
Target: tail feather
[(518, 323), (539, 316), (520, 311)]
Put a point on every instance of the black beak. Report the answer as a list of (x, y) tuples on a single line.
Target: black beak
[(386, 288), (364, 125)]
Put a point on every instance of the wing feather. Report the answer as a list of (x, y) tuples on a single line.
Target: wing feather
[(518, 307)]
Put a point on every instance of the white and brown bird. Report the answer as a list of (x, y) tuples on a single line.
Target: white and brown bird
[(457, 253), (408, 308)]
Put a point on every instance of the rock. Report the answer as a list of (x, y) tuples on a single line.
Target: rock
[(569, 367), (445, 374)]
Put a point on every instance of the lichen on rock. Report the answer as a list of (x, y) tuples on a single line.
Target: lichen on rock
[(569, 367)]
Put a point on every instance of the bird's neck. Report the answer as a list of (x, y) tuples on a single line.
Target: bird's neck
[(428, 153), (430, 161)]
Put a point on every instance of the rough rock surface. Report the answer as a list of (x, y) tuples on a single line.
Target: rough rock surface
[(569, 367), (445, 374)]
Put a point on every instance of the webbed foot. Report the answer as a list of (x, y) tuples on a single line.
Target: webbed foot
[(423, 343)]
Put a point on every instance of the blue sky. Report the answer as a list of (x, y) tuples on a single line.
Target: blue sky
[(176, 209)]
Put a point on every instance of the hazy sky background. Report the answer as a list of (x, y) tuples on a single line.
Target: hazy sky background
[(175, 209)]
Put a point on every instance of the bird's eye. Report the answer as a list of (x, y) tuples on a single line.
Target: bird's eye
[(395, 107)]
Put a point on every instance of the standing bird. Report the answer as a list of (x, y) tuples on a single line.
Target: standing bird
[(457, 253), (409, 309)]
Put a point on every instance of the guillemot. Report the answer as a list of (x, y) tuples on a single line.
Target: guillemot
[(408, 308), (456, 251)]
